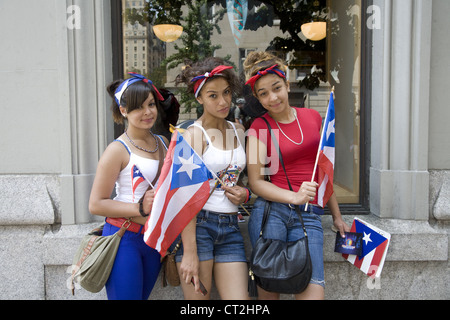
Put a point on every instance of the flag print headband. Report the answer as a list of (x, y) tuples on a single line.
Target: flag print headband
[(273, 69), (201, 80), (135, 77)]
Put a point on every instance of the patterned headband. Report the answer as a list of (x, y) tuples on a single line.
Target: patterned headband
[(273, 69), (201, 80), (135, 77)]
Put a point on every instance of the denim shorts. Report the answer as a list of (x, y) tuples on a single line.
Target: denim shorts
[(284, 224), (218, 238)]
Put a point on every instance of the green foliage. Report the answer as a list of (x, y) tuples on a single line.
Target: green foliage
[(199, 25)]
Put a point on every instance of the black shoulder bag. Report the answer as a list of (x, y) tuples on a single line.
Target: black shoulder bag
[(279, 266)]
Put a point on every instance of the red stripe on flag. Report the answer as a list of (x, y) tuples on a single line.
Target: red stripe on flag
[(379, 251), (189, 211)]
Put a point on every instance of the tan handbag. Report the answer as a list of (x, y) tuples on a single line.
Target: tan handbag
[(93, 262)]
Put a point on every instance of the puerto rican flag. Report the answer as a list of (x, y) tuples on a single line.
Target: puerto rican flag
[(326, 156), (181, 193), (136, 178), (375, 245)]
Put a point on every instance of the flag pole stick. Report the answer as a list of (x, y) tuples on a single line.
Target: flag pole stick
[(172, 129), (320, 144)]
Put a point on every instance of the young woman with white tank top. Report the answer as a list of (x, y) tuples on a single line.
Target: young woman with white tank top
[(212, 243)]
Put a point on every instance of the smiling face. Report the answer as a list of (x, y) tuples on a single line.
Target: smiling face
[(273, 93), (143, 117), (216, 97)]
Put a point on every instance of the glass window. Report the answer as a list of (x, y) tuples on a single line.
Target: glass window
[(233, 28)]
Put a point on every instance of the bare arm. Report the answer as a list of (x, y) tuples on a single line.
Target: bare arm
[(337, 217), (190, 264)]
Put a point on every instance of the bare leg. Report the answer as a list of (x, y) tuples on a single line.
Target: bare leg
[(232, 280)]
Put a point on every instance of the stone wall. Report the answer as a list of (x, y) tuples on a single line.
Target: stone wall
[(36, 252)]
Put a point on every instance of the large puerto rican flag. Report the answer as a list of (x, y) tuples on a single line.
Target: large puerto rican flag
[(326, 156), (182, 191), (375, 245)]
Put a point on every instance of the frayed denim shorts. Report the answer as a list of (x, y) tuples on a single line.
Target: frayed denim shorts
[(218, 238), (284, 224)]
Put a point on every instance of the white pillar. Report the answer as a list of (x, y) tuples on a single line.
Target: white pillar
[(399, 179), (89, 126)]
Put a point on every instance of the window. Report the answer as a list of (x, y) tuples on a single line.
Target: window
[(315, 66)]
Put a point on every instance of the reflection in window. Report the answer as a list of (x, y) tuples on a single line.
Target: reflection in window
[(237, 27)]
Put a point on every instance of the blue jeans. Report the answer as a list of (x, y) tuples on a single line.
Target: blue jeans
[(218, 238), (284, 224), (135, 269)]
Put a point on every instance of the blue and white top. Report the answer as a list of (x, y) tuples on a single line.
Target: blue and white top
[(135, 178)]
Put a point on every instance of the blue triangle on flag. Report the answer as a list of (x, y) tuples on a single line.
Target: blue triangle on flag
[(188, 168), (371, 238)]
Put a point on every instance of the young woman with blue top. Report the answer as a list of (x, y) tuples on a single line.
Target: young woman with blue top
[(131, 164)]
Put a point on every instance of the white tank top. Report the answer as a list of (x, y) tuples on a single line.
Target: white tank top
[(135, 179), (220, 162)]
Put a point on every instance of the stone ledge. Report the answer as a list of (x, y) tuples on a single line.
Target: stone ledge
[(410, 240), (27, 200), (418, 253)]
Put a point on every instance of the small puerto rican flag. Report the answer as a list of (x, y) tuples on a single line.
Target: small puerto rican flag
[(375, 245), (136, 178)]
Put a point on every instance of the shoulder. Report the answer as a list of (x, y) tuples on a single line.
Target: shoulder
[(195, 131), (117, 147), (195, 137), (312, 114), (238, 126), (164, 140), (259, 123), (115, 155)]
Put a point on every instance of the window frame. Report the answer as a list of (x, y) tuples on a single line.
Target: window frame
[(361, 208)]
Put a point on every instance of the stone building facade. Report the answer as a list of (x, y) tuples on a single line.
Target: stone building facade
[(55, 64)]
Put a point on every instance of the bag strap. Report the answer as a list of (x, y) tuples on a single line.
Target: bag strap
[(277, 146)]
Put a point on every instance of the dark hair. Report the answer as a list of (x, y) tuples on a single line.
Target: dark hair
[(133, 98), (207, 65)]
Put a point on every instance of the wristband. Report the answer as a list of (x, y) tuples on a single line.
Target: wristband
[(249, 195), (141, 208)]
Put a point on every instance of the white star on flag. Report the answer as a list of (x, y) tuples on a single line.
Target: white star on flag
[(188, 166), (331, 129), (367, 238)]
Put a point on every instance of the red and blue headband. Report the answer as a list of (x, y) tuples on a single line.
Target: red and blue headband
[(135, 77), (273, 70), (201, 80)]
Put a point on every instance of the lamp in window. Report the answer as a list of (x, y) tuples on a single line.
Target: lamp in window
[(167, 32), (315, 31)]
